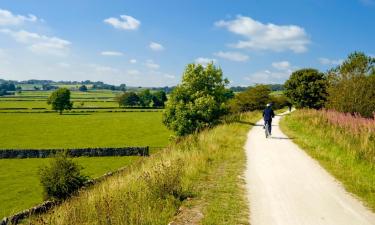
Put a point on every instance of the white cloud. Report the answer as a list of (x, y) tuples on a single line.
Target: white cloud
[(152, 65), (283, 70), (111, 53), (204, 61), (156, 46), (331, 62), (63, 64), (169, 76), (124, 23), (133, 61), (7, 18), (103, 69), (40, 44), (233, 56), (269, 36), (282, 65), (133, 72)]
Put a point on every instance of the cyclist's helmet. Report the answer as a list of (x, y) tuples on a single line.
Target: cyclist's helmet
[(268, 104)]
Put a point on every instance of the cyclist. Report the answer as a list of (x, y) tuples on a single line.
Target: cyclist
[(268, 114)]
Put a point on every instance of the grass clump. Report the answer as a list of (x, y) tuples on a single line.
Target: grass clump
[(205, 168), (344, 144)]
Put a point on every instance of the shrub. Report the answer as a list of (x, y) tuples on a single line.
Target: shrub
[(199, 101), (352, 86), (61, 178), (307, 88)]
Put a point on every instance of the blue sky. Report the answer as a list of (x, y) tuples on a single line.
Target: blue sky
[(148, 43)]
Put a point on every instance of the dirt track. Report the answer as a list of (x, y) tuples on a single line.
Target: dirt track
[(287, 187)]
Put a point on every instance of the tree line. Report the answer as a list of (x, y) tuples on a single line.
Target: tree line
[(347, 88), (145, 98)]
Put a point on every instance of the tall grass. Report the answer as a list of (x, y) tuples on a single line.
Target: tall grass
[(151, 191), (343, 143)]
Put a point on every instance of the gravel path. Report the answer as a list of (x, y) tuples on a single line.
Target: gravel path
[(288, 187)]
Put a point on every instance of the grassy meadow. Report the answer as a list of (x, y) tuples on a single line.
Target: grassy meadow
[(20, 188), (343, 144), (50, 130), (206, 167)]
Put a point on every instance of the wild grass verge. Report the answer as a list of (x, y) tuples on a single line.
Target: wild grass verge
[(206, 167), (342, 143)]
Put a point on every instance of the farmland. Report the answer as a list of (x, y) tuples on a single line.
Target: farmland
[(20, 187), (27, 122)]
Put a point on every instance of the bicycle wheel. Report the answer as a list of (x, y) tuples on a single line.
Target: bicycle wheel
[(266, 130)]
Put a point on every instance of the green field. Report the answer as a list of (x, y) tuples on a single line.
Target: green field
[(43, 104), (50, 130), (20, 188)]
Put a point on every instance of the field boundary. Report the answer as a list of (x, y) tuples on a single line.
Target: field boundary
[(88, 152)]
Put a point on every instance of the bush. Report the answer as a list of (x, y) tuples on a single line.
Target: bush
[(254, 98), (199, 101), (61, 178), (307, 88), (352, 86)]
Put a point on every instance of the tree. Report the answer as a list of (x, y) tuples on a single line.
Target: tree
[(128, 99), (198, 102), (352, 85), (253, 98), (83, 88), (159, 98), (307, 88), (145, 98), (122, 87), (60, 100), (61, 178)]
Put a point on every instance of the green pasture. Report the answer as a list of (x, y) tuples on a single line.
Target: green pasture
[(43, 104), (20, 188), (50, 130)]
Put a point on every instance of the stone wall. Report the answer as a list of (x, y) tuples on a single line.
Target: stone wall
[(89, 152)]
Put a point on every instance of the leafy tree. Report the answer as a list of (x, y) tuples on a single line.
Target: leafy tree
[(60, 100), (122, 87), (82, 88), (253, 98), (145, 98), (198, 102), (128, 99), (159, 98), (307, 88), (61, 178), (352, 85)]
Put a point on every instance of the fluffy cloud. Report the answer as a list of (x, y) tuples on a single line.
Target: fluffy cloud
[(283, 65), (331, 62), (7, 18), (125, 22), (111, 53), (152, 65), (279, 75), (133, 72), (233, 56), (40, 44), (269, 36), (133, 61), (156, 46), (204, 61)]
